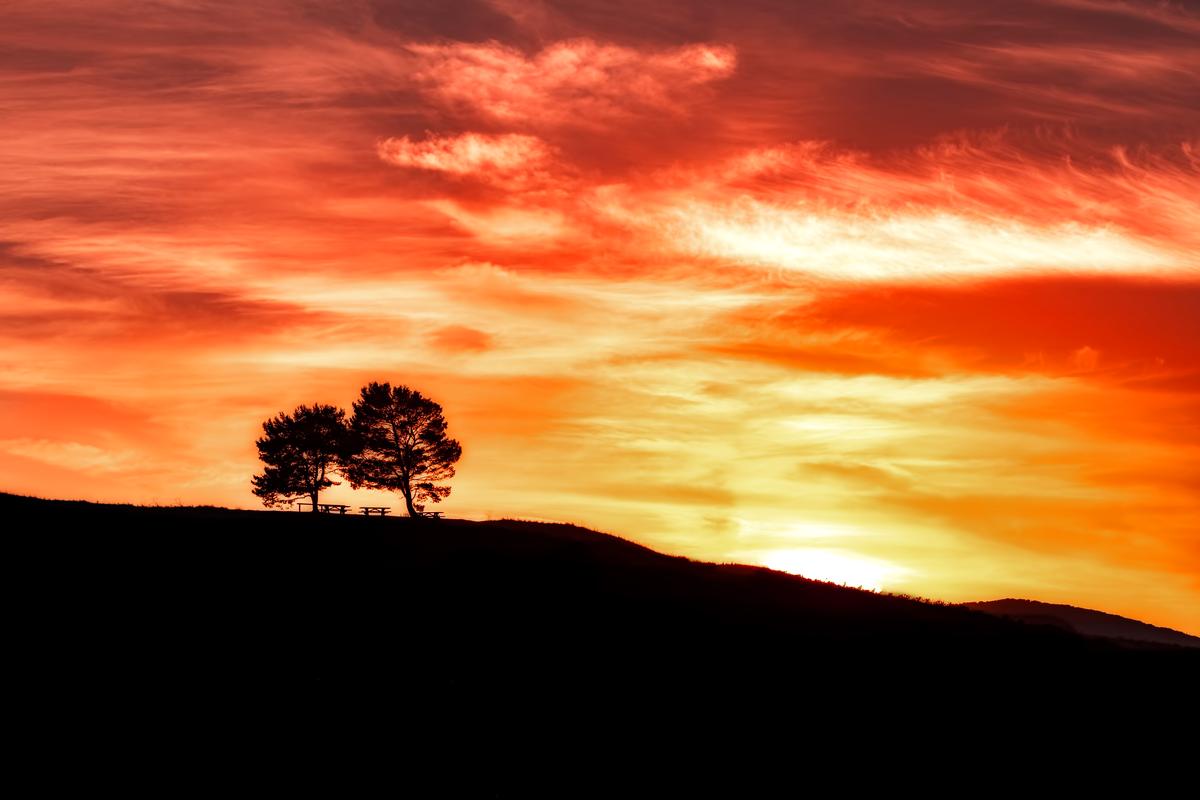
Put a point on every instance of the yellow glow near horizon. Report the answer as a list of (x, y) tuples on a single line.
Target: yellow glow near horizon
[(836, 566)]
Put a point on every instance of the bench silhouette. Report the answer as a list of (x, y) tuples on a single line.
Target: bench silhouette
[(325, 508), (382, 511)]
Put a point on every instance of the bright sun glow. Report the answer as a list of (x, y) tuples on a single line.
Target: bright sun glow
[(836, 566)]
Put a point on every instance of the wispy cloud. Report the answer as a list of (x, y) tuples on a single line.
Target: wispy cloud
[(578, 82), (510, 159)]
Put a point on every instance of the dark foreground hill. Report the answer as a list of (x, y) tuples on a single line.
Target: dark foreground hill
[(1085, 621), (497, 625)]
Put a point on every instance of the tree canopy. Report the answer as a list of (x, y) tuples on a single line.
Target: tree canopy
[(300, 451), (399, 443)]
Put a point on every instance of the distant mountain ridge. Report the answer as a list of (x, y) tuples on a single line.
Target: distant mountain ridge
[(1084, 621)]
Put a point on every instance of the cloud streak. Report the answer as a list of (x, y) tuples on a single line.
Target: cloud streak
[(576, 82), (510, 159)]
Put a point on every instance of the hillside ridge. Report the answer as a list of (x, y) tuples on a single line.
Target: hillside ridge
[(1085, 621), (480, 613)]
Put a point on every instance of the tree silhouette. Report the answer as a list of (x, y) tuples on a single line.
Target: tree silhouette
[(300, 450), (400, 444)]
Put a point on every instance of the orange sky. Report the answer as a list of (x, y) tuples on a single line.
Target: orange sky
[(901, 298)]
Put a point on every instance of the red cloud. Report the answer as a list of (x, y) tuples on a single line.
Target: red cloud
[(574, 81), (507, 160), (978, 206), (461, 339)]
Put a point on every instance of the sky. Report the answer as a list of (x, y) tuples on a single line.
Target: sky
[(899, 295)]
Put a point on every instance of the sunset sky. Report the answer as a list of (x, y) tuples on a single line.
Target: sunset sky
[(898, 294)]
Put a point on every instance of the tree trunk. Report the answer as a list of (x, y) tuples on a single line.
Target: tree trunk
[(412, 512), (314, 501)]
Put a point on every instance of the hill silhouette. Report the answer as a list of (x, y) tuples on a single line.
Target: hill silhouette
[(456, 620), (1085, 621)]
